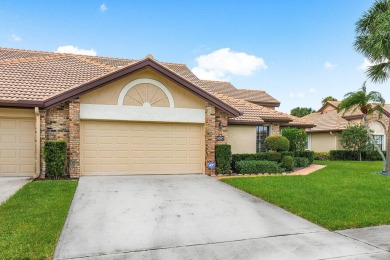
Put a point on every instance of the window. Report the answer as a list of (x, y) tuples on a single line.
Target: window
[(262, 133), (379, 141)]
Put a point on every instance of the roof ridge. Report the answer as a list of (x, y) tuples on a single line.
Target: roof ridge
[(216, 81)]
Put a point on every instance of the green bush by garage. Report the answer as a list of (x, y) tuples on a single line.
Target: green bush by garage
[(345, 155)]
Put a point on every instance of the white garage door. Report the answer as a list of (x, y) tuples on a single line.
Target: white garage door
[(17, 147), (121, 148)]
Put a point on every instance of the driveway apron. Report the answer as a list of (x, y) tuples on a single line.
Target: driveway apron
[(189, 217)]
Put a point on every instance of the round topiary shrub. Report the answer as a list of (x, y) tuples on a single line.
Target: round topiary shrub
[(277, 143), (287, 163)]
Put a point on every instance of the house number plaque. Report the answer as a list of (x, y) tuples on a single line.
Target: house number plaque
[(220, 138)]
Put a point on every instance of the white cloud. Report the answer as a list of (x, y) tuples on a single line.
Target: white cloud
[(329, 66), (299, 95), (219, 64), (75, 50), (16, 38), (364, 66), (103, 7), (312, 90)]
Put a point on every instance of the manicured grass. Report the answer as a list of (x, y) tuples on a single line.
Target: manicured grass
[(342, 195), (32, 219)]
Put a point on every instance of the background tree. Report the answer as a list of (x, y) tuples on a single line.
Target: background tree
[(367, 103), (297, 138), (328, 98), (301, 111), (355, 138), (373, 41)]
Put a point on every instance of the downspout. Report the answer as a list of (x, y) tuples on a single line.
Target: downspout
[(37, 143)]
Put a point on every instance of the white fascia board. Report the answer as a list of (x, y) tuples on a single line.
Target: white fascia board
[(142, 113)]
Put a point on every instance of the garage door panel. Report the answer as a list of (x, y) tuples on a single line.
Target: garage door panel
[(17, 147), (141, 148)]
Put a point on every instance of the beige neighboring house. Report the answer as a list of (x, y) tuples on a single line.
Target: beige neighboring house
[(329, 123), (122, 116)]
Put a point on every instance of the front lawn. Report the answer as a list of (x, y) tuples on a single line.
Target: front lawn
[(32, 219), (342, 195)]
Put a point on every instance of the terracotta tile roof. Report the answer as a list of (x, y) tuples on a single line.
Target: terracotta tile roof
[(255, 96), (299, 122), (38, 76), (328, 121)]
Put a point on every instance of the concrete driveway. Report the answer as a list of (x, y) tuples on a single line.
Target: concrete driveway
[(190, 217)]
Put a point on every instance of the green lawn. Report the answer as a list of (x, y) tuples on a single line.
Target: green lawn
[(342, 195), (32, 219)]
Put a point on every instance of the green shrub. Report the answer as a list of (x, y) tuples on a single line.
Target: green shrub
[(297, 138), (345, 155), (307, 154), (55, 158), (261, 156), (287, 153), (223, 158), (287, 163), (301, 161), (251, 167), (277, 143), (322, 156)]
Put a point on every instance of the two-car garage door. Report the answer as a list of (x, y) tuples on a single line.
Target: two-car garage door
[(121, 148)]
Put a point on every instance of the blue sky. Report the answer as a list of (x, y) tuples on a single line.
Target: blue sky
[(298, 51)]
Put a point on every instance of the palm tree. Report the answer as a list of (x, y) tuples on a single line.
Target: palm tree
[(367, 104), (373, 41)]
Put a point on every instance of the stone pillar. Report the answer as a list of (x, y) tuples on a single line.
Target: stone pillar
[(74, 139), (221, 124), (42, 144), (210, 137)]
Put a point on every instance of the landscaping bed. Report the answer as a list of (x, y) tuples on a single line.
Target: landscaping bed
[(343, 195), (32, 219)]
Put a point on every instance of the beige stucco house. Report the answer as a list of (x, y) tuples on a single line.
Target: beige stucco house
[(329, 123), (121, 116)]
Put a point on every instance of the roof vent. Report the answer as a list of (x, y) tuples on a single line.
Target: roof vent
[(149, 56)]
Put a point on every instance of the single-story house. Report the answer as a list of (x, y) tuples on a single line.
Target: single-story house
[(329, 123), (122, 116)]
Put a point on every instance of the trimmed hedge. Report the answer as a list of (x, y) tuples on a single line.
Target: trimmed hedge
[(261, 156), (287, 163), (322, 156), (55, 158), (251, 167), (297, 138), (277, 143), (223, 158), (301, 161), (345, 155), (307, 154), (287, 154)]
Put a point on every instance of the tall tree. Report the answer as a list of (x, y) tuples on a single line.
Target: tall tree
[(373, 41), (328, 98), (354, 138), (367, 103), (301, 111)]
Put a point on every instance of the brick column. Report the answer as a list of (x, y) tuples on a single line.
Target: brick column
[(74, 139), (275, 129), (221, 125), (43, 139), (210, 136)]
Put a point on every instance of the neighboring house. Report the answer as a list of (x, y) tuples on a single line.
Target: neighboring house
[(329, 123), (121, 116)]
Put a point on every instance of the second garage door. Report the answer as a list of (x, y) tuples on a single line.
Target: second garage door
[(121, 148)]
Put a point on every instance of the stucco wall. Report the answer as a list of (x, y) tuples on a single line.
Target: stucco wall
[(242, 138), (108, 95), (324, 142)]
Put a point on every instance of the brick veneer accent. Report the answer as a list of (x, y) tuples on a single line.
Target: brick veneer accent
[(74, 139), (215, 124), (275, 129), (62, 122)]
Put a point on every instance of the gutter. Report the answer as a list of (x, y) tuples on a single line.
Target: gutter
[(37, 143)]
